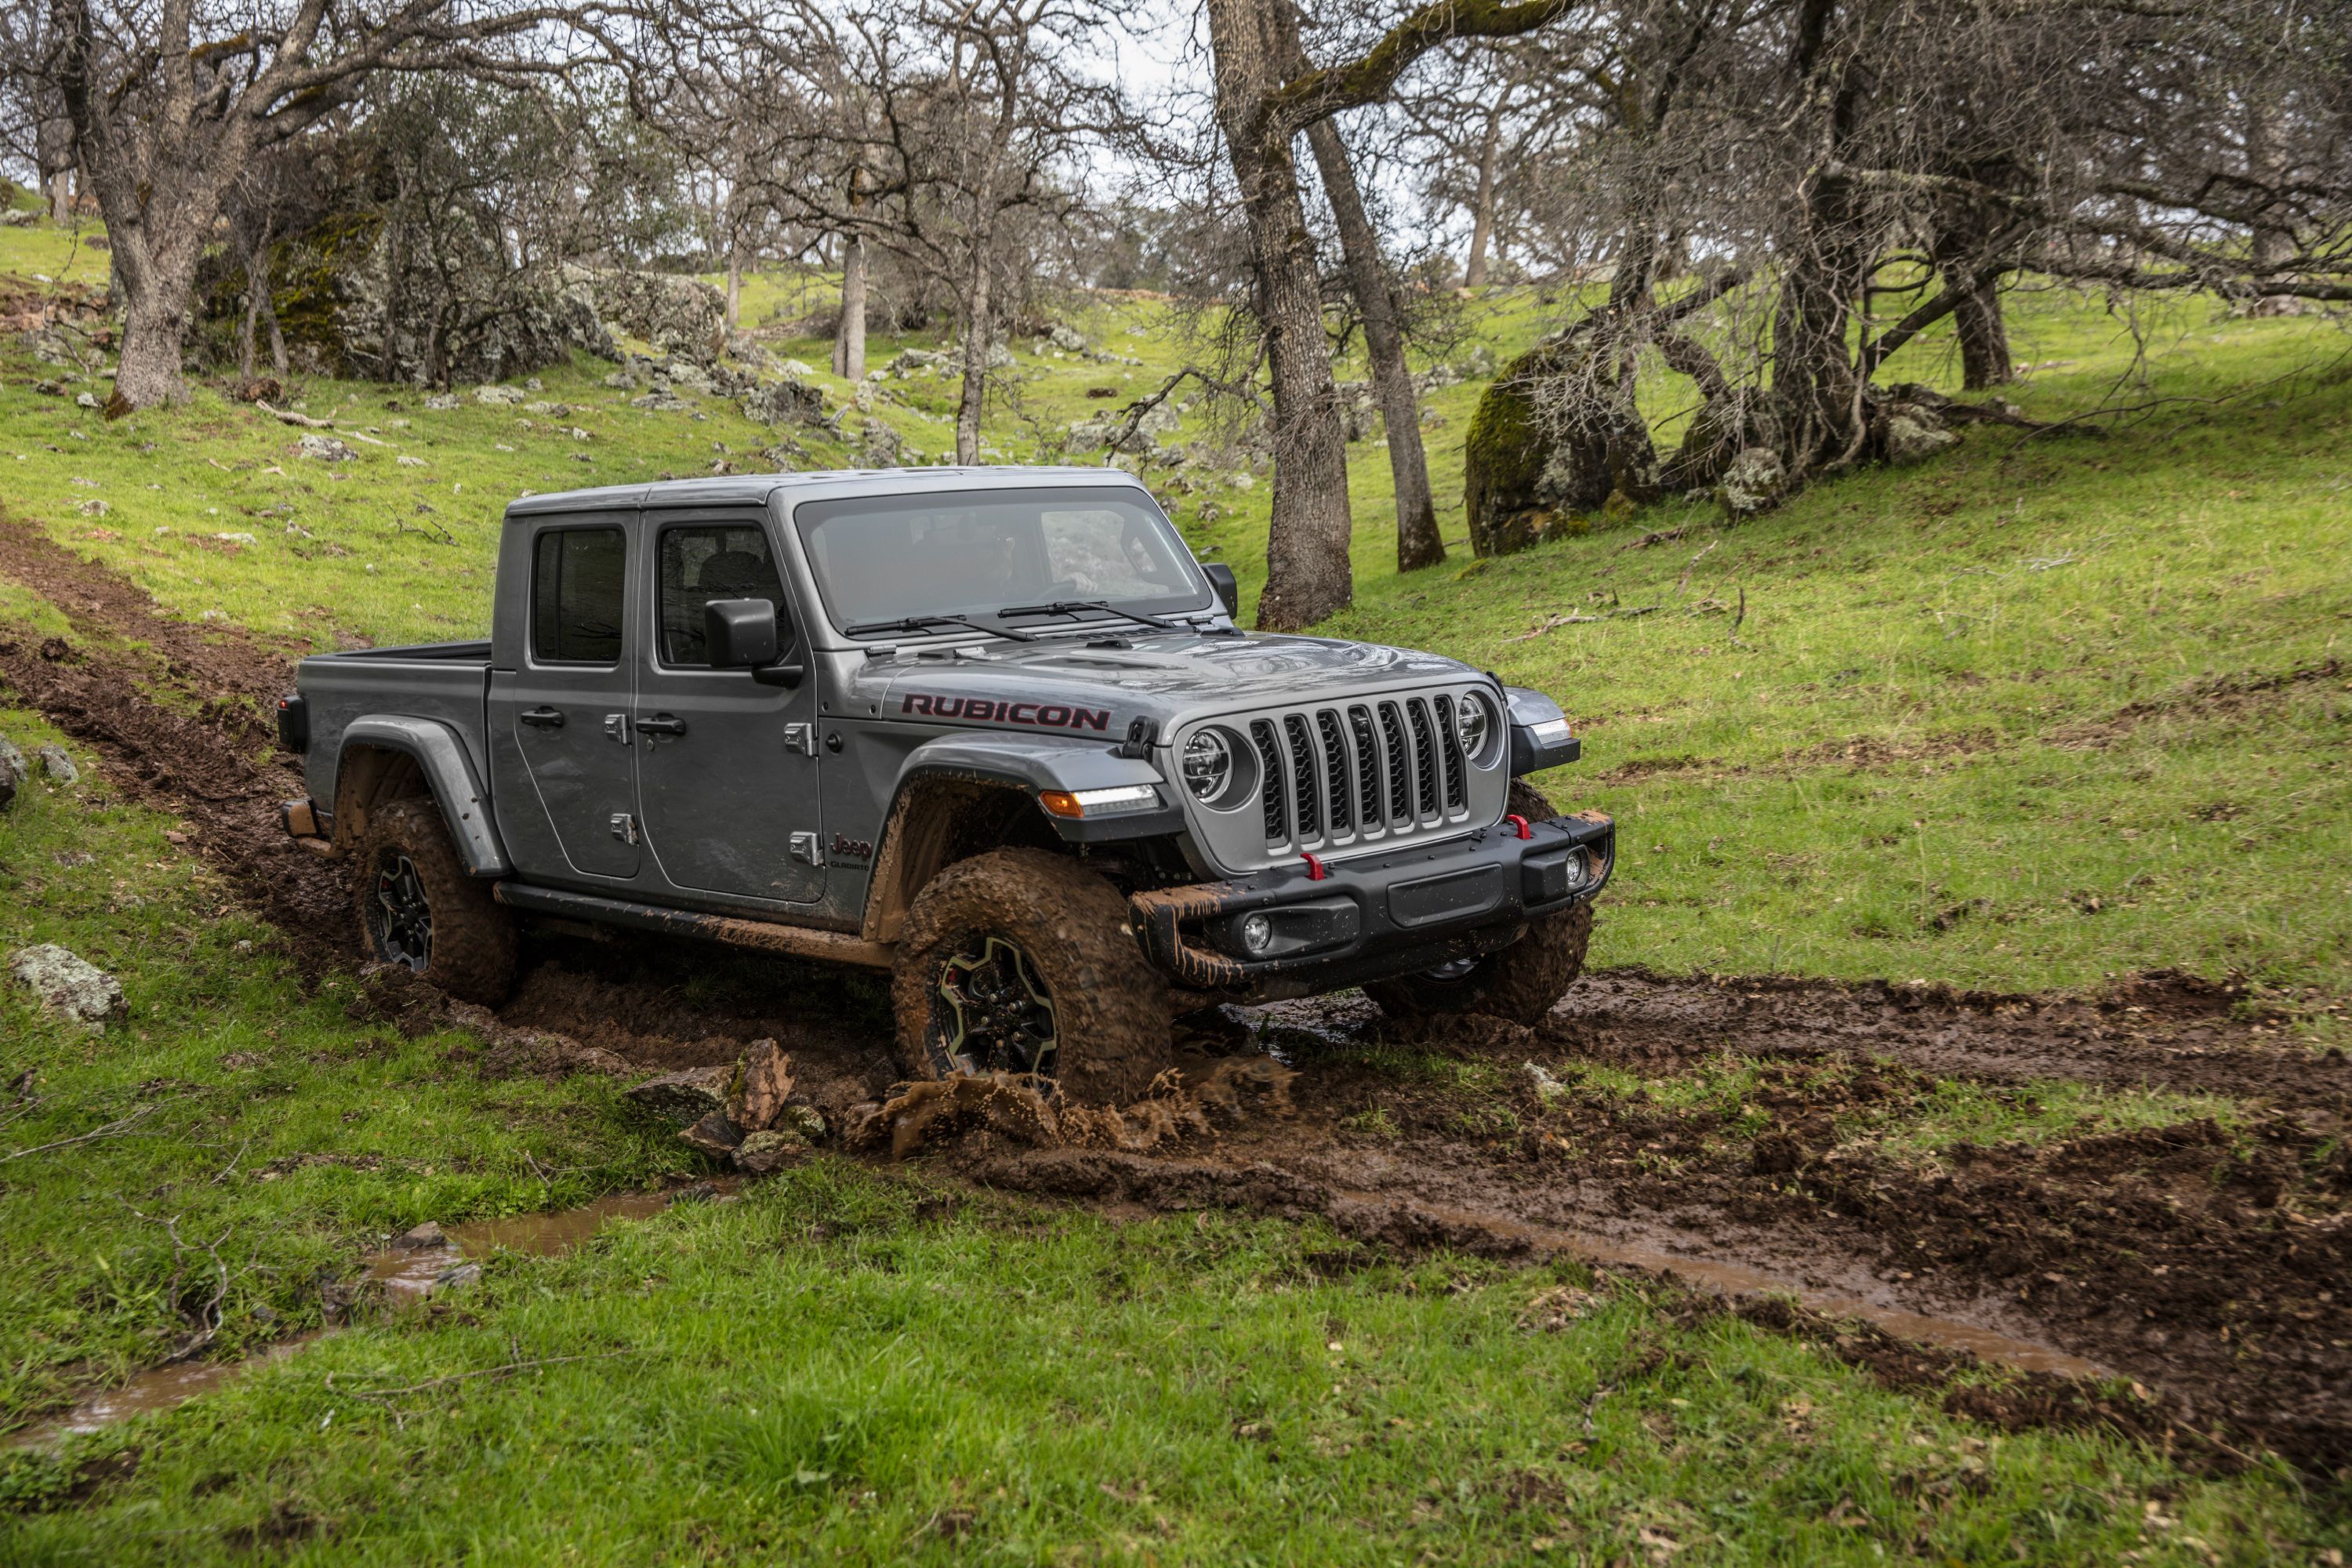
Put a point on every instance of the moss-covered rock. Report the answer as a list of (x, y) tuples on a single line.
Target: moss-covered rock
[(1555, 438)]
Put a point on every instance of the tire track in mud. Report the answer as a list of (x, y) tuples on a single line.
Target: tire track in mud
[(209, 754), (2216, 1268)]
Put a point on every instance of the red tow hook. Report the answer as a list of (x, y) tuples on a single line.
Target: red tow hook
[(1520, 822), (1314, 873)]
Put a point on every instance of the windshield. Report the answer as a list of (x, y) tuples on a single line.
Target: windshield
[(976, 553)]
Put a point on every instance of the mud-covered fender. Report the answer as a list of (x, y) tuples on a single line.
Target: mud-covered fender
[(440, 755), (1038, 763), (1539, 733)]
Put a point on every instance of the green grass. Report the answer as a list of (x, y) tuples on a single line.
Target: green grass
[(268, 1124), (1982, 721), (834, 1368)]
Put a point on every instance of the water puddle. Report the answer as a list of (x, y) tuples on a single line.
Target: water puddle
[(404, 1273), (1738, 1279)]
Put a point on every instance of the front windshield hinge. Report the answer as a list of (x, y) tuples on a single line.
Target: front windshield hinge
[(1142, 736)]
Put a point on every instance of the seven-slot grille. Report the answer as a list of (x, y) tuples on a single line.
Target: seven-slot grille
[(1359, 772)]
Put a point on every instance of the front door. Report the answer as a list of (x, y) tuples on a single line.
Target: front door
[(559, 720), (726, 766)]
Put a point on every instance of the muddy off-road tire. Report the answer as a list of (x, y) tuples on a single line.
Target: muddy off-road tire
[(1520, 982), (417, 908), (1023, 960)]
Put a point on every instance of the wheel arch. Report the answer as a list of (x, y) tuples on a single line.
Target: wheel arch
[(384, 758)]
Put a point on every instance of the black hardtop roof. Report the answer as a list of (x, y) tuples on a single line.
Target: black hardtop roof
[(752, 490)]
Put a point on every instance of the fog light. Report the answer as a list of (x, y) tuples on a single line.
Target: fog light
[(1256, 934)]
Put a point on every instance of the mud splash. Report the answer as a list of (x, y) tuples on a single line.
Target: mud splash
[(401, 1274)]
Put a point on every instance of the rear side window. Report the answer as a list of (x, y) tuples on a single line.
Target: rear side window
[(712, 561), (575, 595)]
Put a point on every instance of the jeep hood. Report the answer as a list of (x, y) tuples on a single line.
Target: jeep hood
[(1165, 676)]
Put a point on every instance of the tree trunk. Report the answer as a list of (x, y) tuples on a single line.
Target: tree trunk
[(849, 336), (154, 333), (735, 286), (61, 196), (1983, 334), (1418, 543), (1481, 211), (975, 355), (1308, 575)]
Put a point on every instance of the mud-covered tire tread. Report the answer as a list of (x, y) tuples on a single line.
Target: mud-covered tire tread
[(1520, 983), (473, 956), (1110, 1005)]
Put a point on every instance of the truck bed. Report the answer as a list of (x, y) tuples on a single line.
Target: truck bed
[(449, 681)]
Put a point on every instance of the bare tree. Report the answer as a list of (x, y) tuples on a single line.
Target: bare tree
[(170, 101), (1263, 103)]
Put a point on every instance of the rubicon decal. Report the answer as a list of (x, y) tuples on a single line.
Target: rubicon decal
[(988, 710)]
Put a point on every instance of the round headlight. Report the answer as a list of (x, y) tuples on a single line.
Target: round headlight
[(1207, 764), (1474, 724)]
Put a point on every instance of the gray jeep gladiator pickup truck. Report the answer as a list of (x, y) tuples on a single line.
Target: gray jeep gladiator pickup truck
[(992, 730)]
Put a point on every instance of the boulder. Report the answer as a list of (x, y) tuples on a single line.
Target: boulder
[(786, 402), (761, 1087), (326, 448), (878, 446), (1555, 435), (420, 1238), (1914, 435), (683, 1098), (683, 372), (803, 1122), (13, 771), (909, 360), (441, 402), (69, 985), (385, 296), (714, 1135), (1752, 483), (56, 766), (1067, 340), (677, 314), (764, 1153), (496, 397)]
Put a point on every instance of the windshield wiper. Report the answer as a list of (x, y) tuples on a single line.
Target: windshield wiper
[(1071, 607), (924, 623)]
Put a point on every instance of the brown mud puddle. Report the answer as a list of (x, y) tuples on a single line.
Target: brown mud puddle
[(401, 1274)]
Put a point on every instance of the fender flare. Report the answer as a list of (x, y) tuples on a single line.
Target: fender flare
[(457, 790), (1020, 763)]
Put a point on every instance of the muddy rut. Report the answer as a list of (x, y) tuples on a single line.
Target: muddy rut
[(2211, 1266)]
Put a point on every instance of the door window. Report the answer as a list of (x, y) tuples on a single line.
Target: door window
[(576, 595), (703, 562)]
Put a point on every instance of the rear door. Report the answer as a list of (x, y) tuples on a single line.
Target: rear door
[(559, 722), (726, 767)]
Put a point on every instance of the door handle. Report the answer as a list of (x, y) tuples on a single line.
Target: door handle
[(543, 717), (662, 724)]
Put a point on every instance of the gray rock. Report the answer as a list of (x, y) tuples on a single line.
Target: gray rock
[(1914, 437), (878, 446), (1752, 483), (1000, 356), (420, 1237), (692, 376), (56, 766), (498, 396), (1067, 339), (85, 400), (912, 359), (441, 402), (458, 1276), (683, 1098), (13, 771), (786, 402), (803, 1122), (326, 448), (714, 1135), (765, 1152), (677, 315), (662, 402), (69, 985)]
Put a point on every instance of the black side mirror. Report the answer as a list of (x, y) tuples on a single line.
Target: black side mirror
[(740, 634), (1229, 591)]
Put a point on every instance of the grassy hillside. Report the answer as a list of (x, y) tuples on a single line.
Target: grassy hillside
[(2040, 713), (2044, 711)]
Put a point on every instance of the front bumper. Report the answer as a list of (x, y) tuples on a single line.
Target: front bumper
[(1381, 915)]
